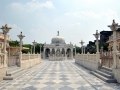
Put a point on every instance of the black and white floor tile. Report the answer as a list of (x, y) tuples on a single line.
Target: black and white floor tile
[(58, 75)]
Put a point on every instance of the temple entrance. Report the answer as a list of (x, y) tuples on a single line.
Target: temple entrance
[(106, 59), (68, 52), (47, 52)]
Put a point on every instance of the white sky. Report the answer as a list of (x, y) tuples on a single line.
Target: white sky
[(40, 20)]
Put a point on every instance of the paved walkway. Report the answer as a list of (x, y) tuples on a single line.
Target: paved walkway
[(57, 75)]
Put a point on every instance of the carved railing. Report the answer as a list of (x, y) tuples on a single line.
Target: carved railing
[(25, 56), (29, 56), (88, 57), (106, 59)]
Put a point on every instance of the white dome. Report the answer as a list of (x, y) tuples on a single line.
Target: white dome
[(58, 39)]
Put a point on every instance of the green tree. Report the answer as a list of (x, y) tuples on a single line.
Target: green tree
[(27, 46), (78, 50), (105, 46), (14, 43)]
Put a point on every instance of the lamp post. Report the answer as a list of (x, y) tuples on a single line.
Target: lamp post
[(5, 30), (97, 46), (20, 37), (84, 49), (34, 45), (114, 27), (31, 49), (82, 45), (20, 54), (40, 48), (75, 49), (97, 36)]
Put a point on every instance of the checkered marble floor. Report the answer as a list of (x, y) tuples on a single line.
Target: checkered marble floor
[(57, 75)]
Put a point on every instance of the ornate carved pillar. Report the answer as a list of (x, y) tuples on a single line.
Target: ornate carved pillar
[(44, 52), (71, 53), (50, 51), (84, 49), (55, 51), (65, 52), (60, 51)]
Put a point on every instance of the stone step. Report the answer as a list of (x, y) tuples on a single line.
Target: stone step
[(109, 80), (106, 68), (106, 71), (15, 75), (12, 68), (104, 74), (9, 73), (13, 72)]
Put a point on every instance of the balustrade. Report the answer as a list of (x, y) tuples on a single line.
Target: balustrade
[(90, 57), (25, 56), (29, 56)]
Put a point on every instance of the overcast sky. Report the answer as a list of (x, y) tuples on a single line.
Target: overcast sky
[(40, 20)]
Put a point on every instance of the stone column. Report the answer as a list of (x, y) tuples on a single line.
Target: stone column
[(71, 53), (50, 51), (9, 55), (55, 51), (114, 27), (84, 49), (40, 48), (20, 59), (75, 49), (65, 53), (31, 49), (5, 30), (82, 45), (44, 52), (61, 51), (34, 43)]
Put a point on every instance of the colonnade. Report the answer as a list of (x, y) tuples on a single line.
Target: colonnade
[(58, 52)]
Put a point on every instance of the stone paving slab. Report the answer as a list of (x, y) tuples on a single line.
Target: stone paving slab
[(58, 75)]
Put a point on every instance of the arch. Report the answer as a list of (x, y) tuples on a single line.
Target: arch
[(68, 52), (47, 52)]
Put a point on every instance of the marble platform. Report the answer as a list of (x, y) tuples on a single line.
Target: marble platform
[(58, 75)]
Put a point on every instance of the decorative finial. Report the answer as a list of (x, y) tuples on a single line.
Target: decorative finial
[(113, 21), (6, 25), (58, 33)]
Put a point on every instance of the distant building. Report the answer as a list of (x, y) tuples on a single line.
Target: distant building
[(90, 46), (104, 36), (58, 49)]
